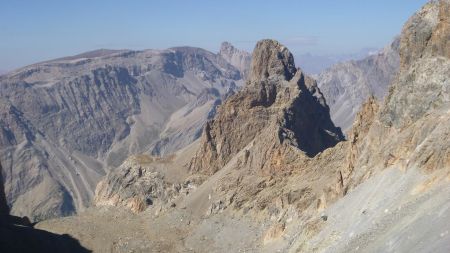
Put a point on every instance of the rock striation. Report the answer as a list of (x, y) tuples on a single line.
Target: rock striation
[(423, 49), (278, 99), (347, 85), (238, 58), (65, 123)]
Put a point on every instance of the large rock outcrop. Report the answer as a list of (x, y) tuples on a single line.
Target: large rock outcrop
[(409, 130), (270, 59), (423, 84), (398, 163), (278, 99), (144, 180)]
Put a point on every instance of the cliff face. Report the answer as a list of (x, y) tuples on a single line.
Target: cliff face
[(410, 129), (277, 99), (398, 162), (423, 83), (65, 122), (238, 58), (414, 112)]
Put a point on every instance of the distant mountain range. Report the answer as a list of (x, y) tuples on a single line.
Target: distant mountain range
[(346, 85), (314, 64)]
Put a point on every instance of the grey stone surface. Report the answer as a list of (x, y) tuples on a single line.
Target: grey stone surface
[(278, 98)]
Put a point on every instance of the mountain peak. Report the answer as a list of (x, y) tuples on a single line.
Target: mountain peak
[(226, 46), (271, 59), (237, 58), (280, 106)]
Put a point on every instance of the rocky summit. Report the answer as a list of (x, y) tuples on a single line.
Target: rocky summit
[(278, 103)]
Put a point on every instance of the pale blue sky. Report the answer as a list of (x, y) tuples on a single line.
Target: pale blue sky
[(37, 30)]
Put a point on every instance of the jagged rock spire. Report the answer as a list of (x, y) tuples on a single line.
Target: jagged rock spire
[(271, 59), (280, 108)]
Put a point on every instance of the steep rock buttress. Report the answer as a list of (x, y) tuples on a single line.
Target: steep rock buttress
[(279, 101)]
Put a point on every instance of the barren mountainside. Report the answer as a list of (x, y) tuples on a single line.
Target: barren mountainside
[(65, 123)]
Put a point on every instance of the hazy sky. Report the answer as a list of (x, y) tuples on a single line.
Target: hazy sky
[(37, 30)]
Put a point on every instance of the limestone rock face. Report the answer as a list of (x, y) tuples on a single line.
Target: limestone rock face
[(135, 185), (440, 40), (238, 58), (65, 123), (277, 97), (271, 59), (402, 148), (363, 121), (426, 34), (424, 50), (404, 131), (410, 129), (347, 85)]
